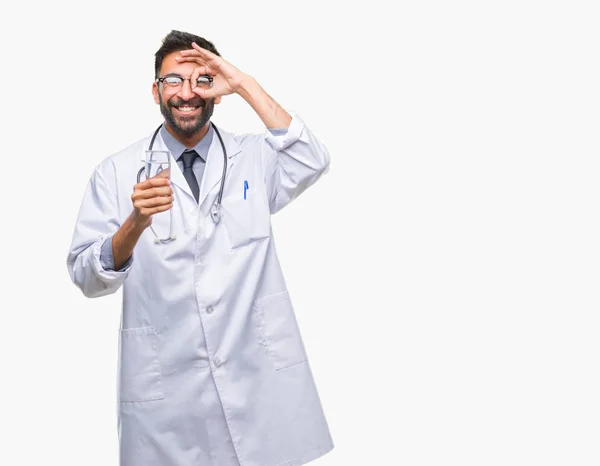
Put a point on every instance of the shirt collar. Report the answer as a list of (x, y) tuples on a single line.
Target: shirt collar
[(176, 148)]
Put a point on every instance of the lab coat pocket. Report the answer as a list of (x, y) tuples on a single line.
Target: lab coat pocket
[(140, 376), (278, 330), (246, 220)]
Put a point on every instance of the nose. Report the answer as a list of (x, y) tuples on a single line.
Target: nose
[(186, 90)]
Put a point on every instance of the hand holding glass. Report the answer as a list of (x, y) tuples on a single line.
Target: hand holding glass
[(158, 161)]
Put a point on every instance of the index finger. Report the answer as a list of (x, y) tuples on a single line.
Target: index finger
[(163, 174), (154, 182), (199, 71), (203, 52)]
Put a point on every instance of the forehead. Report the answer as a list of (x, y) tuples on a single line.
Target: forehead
[(170, 66)]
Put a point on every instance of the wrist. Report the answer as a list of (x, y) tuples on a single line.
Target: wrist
[(269, 111), (138, 222)]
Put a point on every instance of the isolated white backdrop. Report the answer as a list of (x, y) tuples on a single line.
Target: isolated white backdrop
[(444, 272)]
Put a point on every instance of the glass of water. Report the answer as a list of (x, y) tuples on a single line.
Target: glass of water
[(157, 162)]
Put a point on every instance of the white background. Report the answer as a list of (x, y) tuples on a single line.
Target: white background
[(444, 272)]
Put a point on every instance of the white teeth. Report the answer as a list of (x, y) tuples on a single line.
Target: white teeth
[(187, 109)]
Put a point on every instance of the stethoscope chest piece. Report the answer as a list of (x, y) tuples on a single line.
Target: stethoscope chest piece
[(215, 212), (157, 240)]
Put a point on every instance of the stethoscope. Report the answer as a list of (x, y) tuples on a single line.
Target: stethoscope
[(215, 211)]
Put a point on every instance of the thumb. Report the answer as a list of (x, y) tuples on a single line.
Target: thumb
[(202, 93), (166, 173)]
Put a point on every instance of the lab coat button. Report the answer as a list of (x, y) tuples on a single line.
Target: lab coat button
[(209, 309), (218, 361)]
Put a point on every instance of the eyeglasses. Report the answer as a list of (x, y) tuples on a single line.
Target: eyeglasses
[(174, 81)]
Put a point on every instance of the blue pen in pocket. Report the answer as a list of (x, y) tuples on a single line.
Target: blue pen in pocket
[(245, 188)]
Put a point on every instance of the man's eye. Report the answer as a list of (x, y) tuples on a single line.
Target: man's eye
[(173, 80)]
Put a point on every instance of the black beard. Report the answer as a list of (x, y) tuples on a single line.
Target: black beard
[(188, 130)]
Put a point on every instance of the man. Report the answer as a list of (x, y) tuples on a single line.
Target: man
[(212, 367)]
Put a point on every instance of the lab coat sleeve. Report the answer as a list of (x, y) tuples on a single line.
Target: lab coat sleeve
[(277, 131), (106, 256), (293, 162), (96, 222)]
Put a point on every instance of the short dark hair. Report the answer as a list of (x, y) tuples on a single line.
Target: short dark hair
[(176, 41)]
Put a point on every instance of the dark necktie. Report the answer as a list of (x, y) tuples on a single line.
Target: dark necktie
[(189, 156)]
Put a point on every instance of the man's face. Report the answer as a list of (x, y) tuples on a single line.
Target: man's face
[(183, 109)]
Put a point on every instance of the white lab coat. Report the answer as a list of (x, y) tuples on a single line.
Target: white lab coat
[(212, 366)]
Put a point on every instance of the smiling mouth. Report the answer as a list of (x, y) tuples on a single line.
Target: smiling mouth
[(187, 109)]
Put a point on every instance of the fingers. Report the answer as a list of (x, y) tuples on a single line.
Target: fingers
[(198, 71), (204, 53), (205, 93), (155, 181), (149, 211), (193, 55), (197, 51), (154, 202), (157, 210), (148, 202), (193, 59), (151, 193)]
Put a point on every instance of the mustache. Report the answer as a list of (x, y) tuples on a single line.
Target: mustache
[(194, 102)]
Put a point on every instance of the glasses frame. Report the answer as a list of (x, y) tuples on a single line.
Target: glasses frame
[(162, 79)]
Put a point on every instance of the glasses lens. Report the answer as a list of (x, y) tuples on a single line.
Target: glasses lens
[(173, 81), (203, 81)]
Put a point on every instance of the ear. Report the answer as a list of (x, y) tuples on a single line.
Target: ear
[(155, 92), (218, 99)]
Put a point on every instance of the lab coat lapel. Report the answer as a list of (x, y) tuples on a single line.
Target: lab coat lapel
[(211, 180)]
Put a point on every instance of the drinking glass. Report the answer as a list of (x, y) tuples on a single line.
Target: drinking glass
[(157, 161)]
